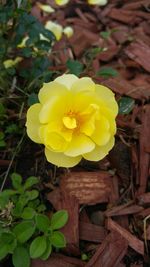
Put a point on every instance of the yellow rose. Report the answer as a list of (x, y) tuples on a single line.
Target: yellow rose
[(75, 118)]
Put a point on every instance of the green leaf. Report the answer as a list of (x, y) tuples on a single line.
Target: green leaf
[(7, 244), (38, 247), (17, 211), (58, 240), (2, 109), (75, 67), (2, 135), (26, 52), (107, 72), (16, 180), (126, 104), (28, 213), (2, 143), (33, 194), (8, 193), (24, 231), (5, 197), (42, 222), (47, 252), (59, 219), (30, 182), (41, 208), (105, 34), (13, 129), (32, 99), (21, 257)]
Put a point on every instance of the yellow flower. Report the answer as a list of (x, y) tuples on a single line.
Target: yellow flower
[(75, 118), (61, 2), (98, 2), (12, 62), (46, 8), (55, 28), (68, 31)]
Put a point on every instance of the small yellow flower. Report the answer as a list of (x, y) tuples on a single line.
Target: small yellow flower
[(61, 2), (55, 28), (75, 118), (68, 31), (12, 62), (46, 8), (98, 2)]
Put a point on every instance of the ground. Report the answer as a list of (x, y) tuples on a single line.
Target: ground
[(107, 201)]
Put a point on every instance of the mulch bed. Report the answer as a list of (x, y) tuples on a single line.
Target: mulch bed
[(107, 201)]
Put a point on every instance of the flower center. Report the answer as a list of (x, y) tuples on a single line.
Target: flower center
[(69, 122)]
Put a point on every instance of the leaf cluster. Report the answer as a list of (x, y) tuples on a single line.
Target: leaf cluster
[(16, 23), (25, 232)]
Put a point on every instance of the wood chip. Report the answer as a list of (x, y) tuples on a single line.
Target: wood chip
[(144, 198), (91, 232), (71, 229), (125, 16), (89, 187), (58, 260), (123, 87), (110, 252), (133, 241), (123, 210), (144, 156), (82, 40), (139, 52)]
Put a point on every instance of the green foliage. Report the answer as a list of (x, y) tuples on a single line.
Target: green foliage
[(75, 67), (107, 72), (24, 231), (105, 34), (126, 104), (21, 257), (16, 23), (2, 142), (38, 247), (32, 99), (59, 219)]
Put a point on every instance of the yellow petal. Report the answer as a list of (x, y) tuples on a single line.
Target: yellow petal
[(54, 109), (89, 116), (55, 28), (67, 79), (61, 160), (46, 8), (79, 145), (100, 151), (61, 2), (11, 62), (33, 123), (98, 2), (43, 38), (68, 31), (107, 113), (88, 127), (23, 42), (101, 134), (83, 84), (107, 96), (55, 142), (51, 89)]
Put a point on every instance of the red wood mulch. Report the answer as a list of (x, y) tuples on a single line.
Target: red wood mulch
[(107, 201)]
